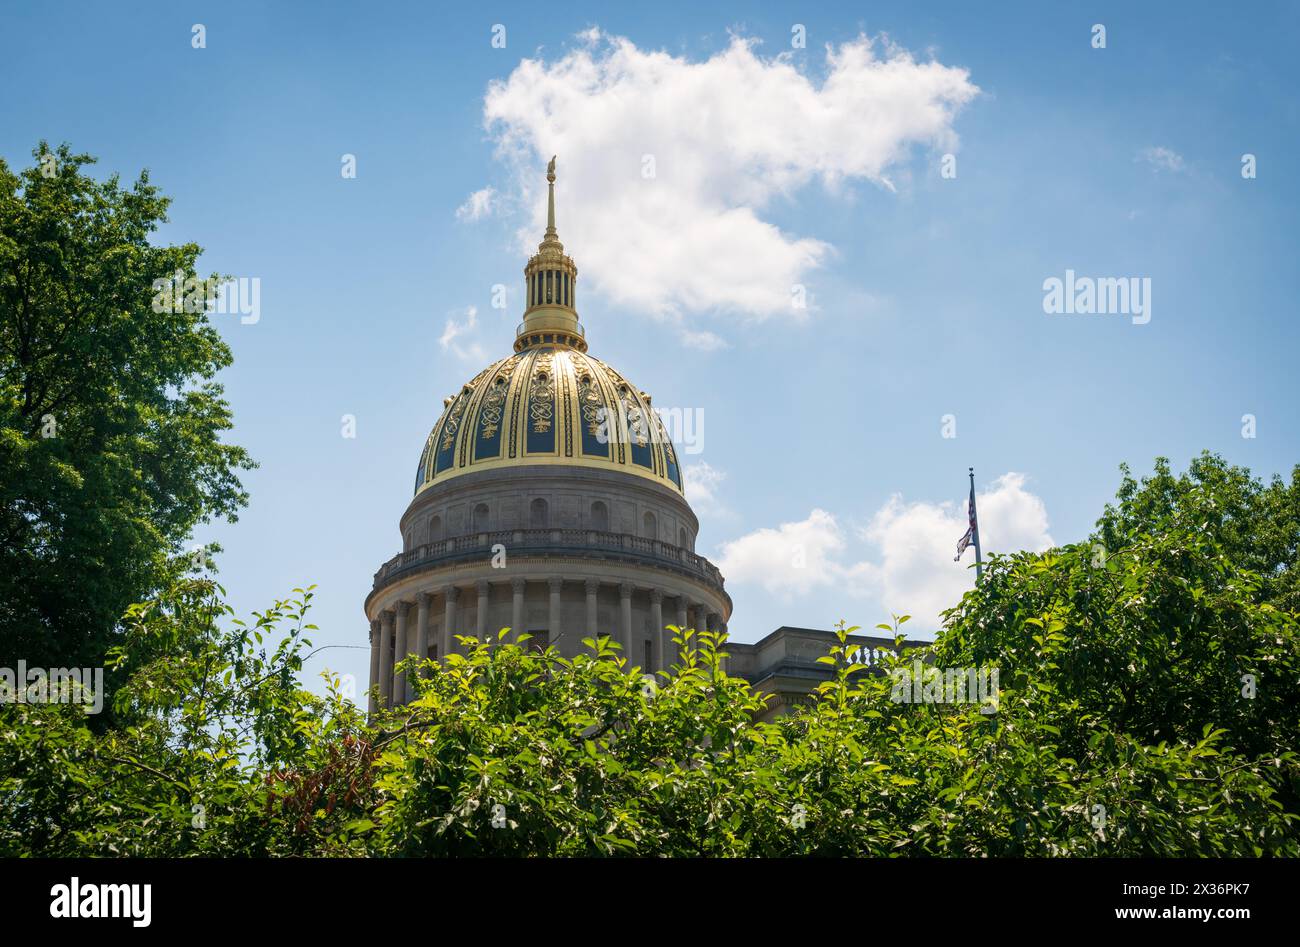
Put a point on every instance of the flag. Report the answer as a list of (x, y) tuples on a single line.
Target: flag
[(969, 536)]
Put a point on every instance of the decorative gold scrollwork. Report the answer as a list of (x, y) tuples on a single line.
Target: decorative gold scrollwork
[(494, 401), (458, 410), (541, 406)]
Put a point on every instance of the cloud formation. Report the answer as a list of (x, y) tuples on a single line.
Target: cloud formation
[(457, 335), (667, 166), (788, 560), (702, 481), (478, 205), (914, 572), (1161, 159), (911, 569)]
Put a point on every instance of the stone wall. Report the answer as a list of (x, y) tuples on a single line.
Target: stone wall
[(535, 497)]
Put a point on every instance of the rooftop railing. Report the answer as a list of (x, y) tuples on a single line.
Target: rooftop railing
[(578, 330), (569, 541)]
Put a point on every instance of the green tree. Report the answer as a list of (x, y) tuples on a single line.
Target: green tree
[(110, 420), (218, 749), (1160, 629), (1147, 705), (1256, 524)]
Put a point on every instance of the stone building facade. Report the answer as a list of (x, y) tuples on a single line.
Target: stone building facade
[(549, 500)]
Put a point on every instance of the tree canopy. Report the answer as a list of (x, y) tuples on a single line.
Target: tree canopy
[(110, 417), (1147, 705)]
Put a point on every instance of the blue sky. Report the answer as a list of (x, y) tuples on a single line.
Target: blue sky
[(823, 428)]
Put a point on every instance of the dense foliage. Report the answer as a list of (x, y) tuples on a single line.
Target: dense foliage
[(110, 420), (1148, 705)]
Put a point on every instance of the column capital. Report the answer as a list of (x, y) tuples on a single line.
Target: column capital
[(556, 583), (518, 584), (451, 593), (483, 586), (656, 596), (625, 589), (386, 617), (425, 599), (401, 607), (592, 586)]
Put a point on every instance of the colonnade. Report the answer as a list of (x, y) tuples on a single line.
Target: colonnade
[(399, 632)]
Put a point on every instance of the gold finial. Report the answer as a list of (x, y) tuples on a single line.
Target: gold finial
[(550, 198)]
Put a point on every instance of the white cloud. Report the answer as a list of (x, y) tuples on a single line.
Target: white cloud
[(1161, 159), (702, 481), (702, 339), (793, 559), (478, 205), (460, 326), (911, 570), (915, 573), (728, 136)]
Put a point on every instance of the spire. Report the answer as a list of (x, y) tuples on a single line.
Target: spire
[(550, 284), (550, 199)]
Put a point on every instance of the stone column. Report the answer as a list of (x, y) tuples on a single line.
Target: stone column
[(402, 653), (421, 632), (714, 622), (484, 592), (386, 660), (625, 604), (556, 584), (698, 621), (592, 586), (683, 622), (449, 594), (657, 631), (376, 640), (517, 586)]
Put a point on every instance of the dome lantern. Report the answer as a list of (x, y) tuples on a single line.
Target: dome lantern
[(550, 284)]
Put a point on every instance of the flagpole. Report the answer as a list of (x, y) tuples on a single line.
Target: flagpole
[(979, 568)]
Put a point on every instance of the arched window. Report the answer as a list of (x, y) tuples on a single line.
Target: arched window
[(435, 529), (538, 514), (481, 518), (649, 526), (600, 516)]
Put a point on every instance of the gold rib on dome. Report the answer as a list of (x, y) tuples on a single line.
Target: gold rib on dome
[(549, 403)]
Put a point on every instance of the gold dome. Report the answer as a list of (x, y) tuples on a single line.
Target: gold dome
[(549, 403)]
